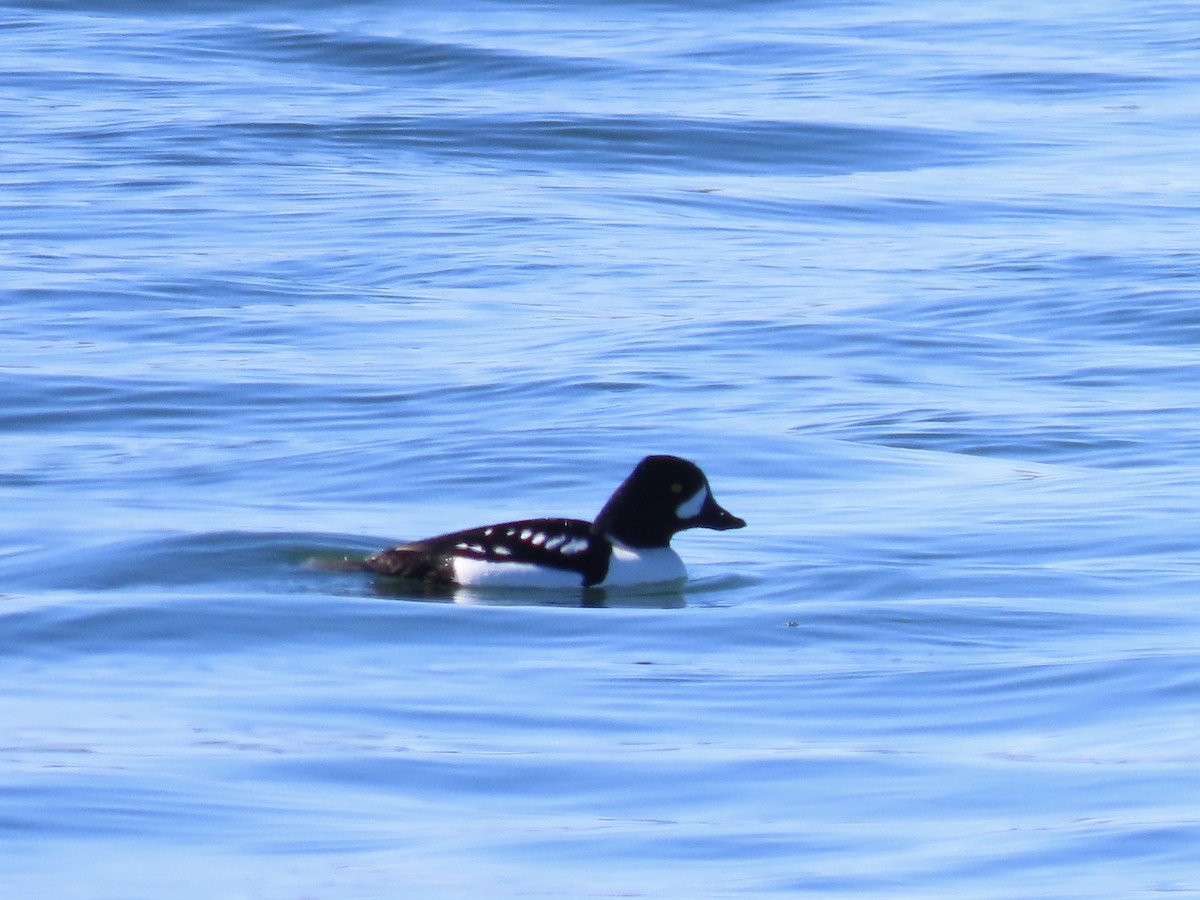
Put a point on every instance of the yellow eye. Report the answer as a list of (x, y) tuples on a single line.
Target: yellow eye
[(676, 488)]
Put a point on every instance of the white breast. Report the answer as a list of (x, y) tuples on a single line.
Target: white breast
[(629, 566)]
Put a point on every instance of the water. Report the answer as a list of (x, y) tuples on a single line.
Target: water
[(915, 283)]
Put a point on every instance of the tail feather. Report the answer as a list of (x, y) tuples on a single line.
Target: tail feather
[(402, 562), (396, 562), (339, 564)]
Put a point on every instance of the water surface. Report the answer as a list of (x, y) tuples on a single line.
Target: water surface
[(916, 285)]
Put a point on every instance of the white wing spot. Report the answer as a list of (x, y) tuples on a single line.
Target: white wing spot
[(487, 532), (471, 548), (538, 539), (576, 546), (555, 542), (509, 532), (501, 551)]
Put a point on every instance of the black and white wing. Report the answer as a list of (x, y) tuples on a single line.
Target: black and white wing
[(564, 545)]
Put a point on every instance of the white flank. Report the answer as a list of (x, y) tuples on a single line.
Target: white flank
[(629, 566), (485, 573), (691, 507)]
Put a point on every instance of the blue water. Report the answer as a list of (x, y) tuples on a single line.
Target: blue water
[(918, 285)]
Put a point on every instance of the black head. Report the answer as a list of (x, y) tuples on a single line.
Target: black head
[(662, 496)]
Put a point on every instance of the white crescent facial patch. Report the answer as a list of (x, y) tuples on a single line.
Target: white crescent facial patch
[(690, 508)]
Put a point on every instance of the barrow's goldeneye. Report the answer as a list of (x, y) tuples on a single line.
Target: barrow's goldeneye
[(628, 544)]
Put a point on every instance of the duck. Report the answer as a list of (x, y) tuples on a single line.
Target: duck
[(627, 545)]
